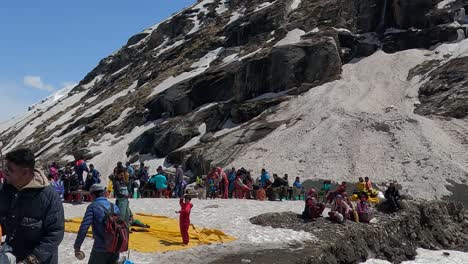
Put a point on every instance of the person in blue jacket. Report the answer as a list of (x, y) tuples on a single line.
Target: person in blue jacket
[(264, 179), (232, 180), (94, 217), (81, 167), (95, 173)]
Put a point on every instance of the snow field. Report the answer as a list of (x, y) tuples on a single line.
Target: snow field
[(229, 216)]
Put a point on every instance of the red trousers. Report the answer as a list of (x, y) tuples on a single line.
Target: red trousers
[(184, 227)]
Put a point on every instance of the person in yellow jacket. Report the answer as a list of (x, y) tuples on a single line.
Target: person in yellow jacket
[(361, 185)]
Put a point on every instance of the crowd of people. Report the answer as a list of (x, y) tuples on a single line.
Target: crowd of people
[(32, 216)]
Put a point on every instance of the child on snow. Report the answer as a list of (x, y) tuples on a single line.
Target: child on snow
[(184, 218)]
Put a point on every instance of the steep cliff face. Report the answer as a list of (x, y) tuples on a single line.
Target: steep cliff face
[(228, 82)]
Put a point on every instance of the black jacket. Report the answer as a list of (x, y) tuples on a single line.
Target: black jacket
[(33, 220)]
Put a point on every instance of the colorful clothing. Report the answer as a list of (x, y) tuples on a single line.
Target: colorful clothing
[(184, 219)]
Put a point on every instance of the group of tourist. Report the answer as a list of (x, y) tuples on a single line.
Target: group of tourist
[(32, 216)]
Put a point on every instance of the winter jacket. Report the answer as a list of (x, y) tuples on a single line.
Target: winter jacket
[(96, 176), (185, 209), (33, 219), (120, 189), (94, 217), (159, 181), (297, 184), (53, 172), (361, 186), (80, 168), (131, 171), (264, 179), (143, 174), (179, 175)]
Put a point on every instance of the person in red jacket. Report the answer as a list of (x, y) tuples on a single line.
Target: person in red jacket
[(184, 218)]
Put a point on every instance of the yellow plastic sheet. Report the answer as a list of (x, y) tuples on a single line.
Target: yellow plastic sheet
[(164, 234)]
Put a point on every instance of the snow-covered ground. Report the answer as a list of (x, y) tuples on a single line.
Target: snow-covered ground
[(364, 125), (230, 216)]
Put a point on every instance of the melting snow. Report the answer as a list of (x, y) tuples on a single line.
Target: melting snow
[(292, 37)]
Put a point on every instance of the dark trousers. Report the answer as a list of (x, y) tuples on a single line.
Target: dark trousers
[(103, 258)]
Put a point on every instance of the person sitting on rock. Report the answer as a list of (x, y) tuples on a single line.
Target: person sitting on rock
[(368, 184), (339, 191), (313, 209), (340, 210), (363, 210), (312, 193), (360, 186), (393, 198)]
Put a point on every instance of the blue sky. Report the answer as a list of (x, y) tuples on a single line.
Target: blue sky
[(48, 44)]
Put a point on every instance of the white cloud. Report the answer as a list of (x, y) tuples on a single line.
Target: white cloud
[(36, 82)]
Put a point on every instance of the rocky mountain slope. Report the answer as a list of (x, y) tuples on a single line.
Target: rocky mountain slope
[(320, 89)]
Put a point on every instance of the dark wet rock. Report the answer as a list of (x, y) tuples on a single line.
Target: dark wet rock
[(446, 90), (395, 237)]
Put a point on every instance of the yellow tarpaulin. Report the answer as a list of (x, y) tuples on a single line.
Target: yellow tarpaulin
[(164, 234)]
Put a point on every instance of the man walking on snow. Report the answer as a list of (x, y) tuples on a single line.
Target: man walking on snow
[(95, 216), (31, 212)]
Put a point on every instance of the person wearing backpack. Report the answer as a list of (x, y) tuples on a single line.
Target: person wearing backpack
[(99, 214)]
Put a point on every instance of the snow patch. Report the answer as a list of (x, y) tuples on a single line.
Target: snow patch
[(263, 6), (236, 15), (292, 37), (121, 70), (108, 101), (444, 4), (93, 81), (195, 140), (175, 44), (295, 4), (223, 7), (230, 58), (114, 149), (121, 118), (199, 67)]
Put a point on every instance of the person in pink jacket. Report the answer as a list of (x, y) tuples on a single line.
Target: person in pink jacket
[(184, 218), (223, 184), (340, 210)]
